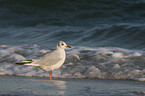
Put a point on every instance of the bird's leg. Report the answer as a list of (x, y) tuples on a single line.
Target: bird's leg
[(50, 75)]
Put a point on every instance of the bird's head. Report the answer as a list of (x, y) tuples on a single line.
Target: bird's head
[(62, 45)]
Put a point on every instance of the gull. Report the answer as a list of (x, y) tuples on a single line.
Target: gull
[(50, 61)]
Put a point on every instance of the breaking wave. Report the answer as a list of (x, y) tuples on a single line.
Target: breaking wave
[(81, 62)]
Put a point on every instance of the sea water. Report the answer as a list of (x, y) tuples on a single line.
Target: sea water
[(81, 62), (36, 86), (107, 38)]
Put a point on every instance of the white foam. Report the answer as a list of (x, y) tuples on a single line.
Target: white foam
[(81, 62), (15, 58), (78, 75), (6, 69), (44, 51), (12, 50), (136, 54), (3, 46), (73, 57), (94, 72), (140, 79), (3, 53), (31, 73), (17, 69), (117, 55), (116, 66)]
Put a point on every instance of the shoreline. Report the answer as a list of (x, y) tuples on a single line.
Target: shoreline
[(31, 86), (55, 78)]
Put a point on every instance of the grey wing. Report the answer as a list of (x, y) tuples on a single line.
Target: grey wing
[(49, 59)]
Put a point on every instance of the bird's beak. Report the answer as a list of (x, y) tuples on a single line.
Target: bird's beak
[(68, 46)]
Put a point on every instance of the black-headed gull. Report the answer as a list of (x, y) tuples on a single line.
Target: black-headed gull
[(50, 61)]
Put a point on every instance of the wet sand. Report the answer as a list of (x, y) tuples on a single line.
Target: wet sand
[(33, 86)]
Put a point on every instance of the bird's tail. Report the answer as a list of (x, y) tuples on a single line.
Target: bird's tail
[(22, 62), (26, 62)]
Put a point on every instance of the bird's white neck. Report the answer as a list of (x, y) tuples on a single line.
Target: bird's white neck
[(59, 48)]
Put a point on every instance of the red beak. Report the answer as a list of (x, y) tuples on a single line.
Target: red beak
[(68, 46)]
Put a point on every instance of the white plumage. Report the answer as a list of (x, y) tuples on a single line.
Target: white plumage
[(50, 61)]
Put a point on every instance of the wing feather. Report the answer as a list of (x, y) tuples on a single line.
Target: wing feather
[(49, 59)]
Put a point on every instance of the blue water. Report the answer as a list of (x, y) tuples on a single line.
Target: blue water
[(97, 23), (107, 39), (35, 86)]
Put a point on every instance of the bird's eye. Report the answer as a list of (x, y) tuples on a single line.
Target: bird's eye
[(62, 44)]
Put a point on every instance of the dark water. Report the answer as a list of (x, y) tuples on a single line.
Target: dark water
[(95, 23), (108, 40)]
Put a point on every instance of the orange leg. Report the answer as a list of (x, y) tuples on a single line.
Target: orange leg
[(50, 75)]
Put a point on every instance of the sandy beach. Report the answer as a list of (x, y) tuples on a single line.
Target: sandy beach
[(33, 86)]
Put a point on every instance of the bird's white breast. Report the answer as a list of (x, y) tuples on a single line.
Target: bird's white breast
[(60, 62)]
